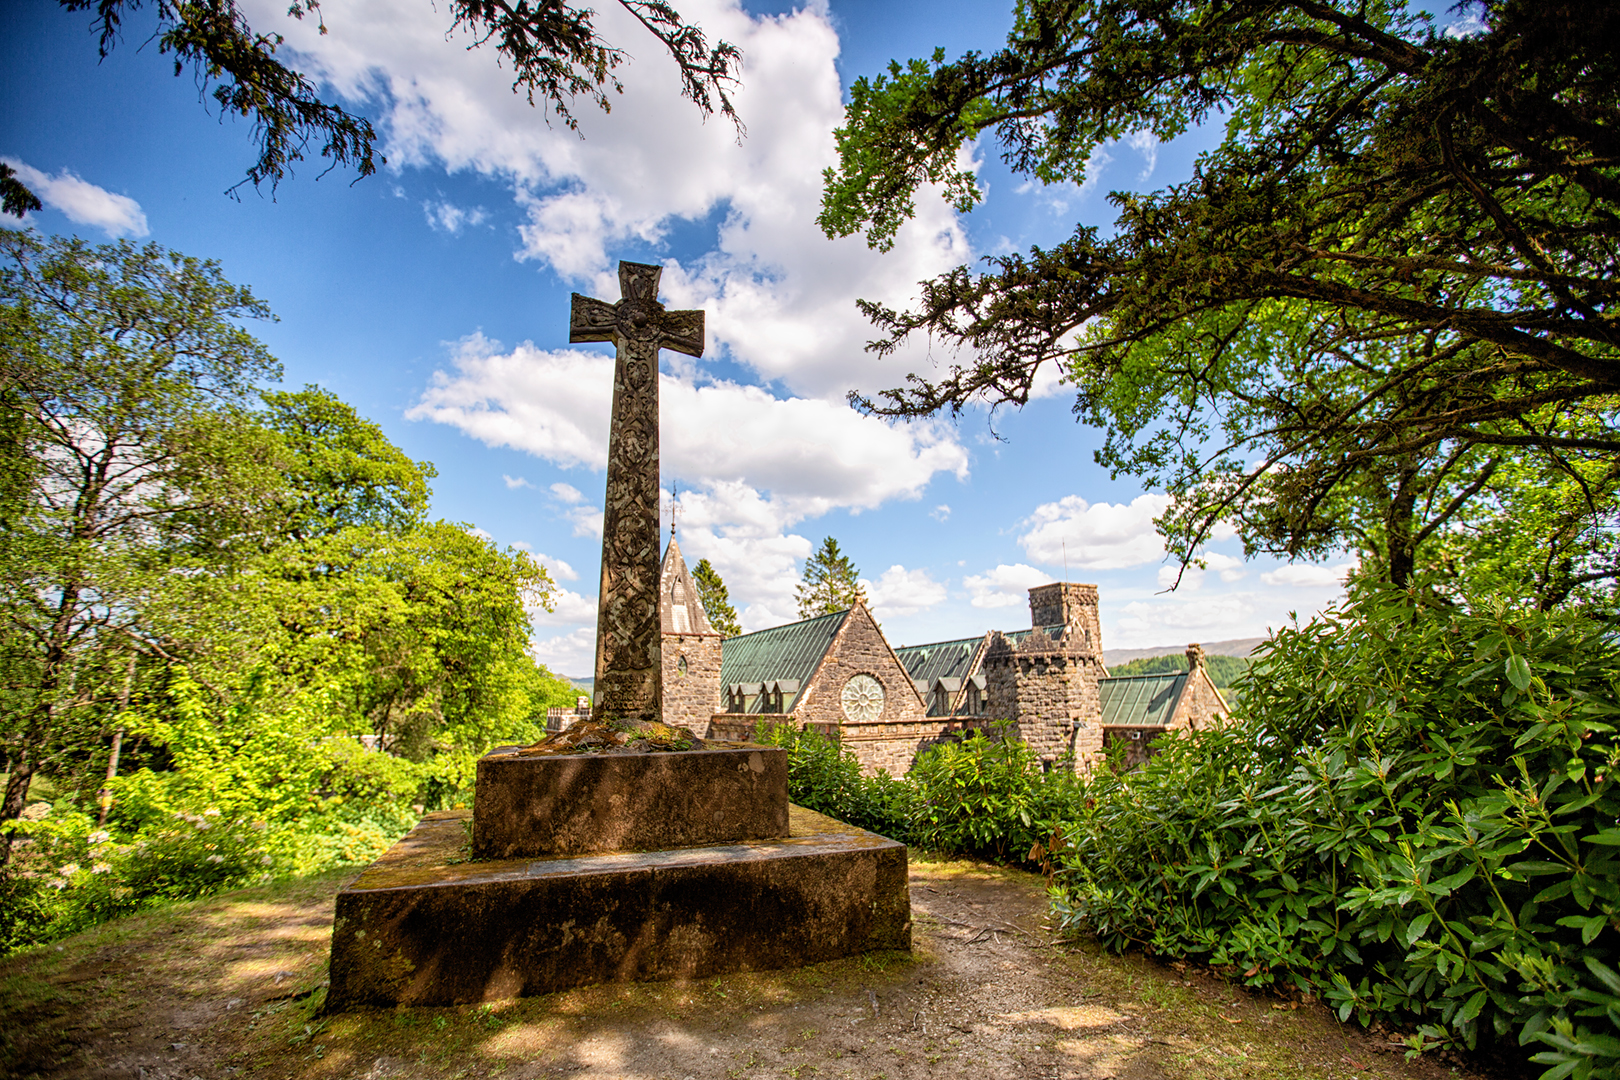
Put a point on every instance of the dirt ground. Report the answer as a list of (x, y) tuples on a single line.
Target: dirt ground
[(233, 987)]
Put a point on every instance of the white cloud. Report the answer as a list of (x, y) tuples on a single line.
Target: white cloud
[(569, 608), (1304, 574), (449, 218), (811, 455), (1173, 576), (515, 482), (1230, 569), (1144, 142), (587, 520), (568, 493), (1104, 536), (940, 513), (1005, 586), (559, 569), (779, 295), (900, 592), (83, 202), (572, 654), (1173, 621)]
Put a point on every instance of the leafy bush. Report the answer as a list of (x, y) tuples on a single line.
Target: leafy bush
[(1414, 818), (988, 797), (824, 777), (985, 797), (68, 875)]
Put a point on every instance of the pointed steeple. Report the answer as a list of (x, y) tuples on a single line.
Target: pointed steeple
[(680, 610)]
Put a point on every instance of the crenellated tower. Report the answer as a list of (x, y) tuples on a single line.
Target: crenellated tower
[(1045, 679)]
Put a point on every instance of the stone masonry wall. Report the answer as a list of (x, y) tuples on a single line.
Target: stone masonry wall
[(692, 697), (860, 649), (1201, 705)]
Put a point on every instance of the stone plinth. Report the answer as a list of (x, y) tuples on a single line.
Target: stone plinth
[(574, 804), (420, 928)]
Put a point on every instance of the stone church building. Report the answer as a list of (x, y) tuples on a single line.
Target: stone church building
[(838, 674)]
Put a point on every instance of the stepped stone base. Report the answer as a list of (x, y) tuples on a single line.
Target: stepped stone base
[(576, 804), (419, 928)]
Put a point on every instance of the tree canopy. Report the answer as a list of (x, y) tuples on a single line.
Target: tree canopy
[(252, 593), (552, 46), (716, 601), (1395, 273), (831, 582)]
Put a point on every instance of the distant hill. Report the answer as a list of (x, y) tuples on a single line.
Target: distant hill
[(587, 685), (1233, 647)]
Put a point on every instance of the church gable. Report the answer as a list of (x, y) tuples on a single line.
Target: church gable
[(860, 681), (680, 609), (689, 647)]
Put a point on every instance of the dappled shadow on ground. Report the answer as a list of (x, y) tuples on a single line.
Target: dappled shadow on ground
[(233, 987)]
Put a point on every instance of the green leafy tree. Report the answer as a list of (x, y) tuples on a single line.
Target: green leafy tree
[(1391, 284), (131, 464), (1223, 670), (831, 582), (716, 601), (553, 49)]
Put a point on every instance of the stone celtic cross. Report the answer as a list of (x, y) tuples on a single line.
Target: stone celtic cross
[(628, 671)]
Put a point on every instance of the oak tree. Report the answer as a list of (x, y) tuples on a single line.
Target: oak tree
[(1393, 277)]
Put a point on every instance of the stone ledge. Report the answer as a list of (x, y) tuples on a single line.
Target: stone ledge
[(417, 928), (574, 804)]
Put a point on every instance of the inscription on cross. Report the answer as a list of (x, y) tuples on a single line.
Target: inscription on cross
[(628, 683)]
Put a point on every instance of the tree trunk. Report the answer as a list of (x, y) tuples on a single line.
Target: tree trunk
[(22, 774), (1399, 536), (25, 762), (104, 796)]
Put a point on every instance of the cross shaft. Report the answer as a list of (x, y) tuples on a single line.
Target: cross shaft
[(628, 669)]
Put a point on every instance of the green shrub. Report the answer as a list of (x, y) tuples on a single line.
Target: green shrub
[(1414, 817), (988, 797), (68, 875), (824, 777), (982, 797)]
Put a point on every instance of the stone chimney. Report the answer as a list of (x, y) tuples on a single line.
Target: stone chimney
[(1195, 656)]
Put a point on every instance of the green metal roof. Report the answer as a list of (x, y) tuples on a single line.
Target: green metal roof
[(940, 660), (1135, 700), (782, 652)]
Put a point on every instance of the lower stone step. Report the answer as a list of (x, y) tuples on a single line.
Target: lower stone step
[(421, 926)]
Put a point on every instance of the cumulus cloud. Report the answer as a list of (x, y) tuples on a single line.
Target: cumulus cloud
[(559, 569), (1304, 574), (1174, 576), (1101, 536), (448, 218), (751, 464), (1229, 568), (1005, 586), (515, 482), (779, 295), (573, 653), (1144, 623), (83, 202), (900, 592)]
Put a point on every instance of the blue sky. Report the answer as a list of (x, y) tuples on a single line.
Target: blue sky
[(434, 297)]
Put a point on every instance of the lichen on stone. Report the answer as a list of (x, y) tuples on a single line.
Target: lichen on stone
[(616, 735)]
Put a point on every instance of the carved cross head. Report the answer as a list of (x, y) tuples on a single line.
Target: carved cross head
[(638, 316)]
